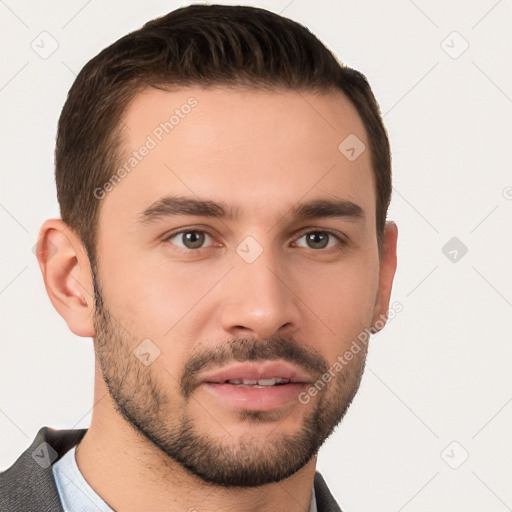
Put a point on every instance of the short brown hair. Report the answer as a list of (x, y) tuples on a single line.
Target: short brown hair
[(196, 45)]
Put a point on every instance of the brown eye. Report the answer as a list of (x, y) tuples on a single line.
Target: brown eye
[(318, 240), (190, 239)]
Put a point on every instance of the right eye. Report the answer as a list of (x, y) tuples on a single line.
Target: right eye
[(190, 239)]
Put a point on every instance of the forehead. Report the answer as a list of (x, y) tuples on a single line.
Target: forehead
[(255, 150)]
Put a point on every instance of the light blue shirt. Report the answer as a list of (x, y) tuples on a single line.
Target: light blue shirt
[(76, 495)]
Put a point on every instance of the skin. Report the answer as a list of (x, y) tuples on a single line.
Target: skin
[(261, 152)]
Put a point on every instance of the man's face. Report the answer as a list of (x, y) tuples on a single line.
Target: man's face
[(274, 280)]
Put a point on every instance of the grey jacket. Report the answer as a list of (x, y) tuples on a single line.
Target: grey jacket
[(28, 485)]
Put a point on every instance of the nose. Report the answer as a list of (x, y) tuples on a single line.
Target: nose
[(259, 300)]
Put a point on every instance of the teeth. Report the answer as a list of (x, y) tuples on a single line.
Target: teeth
[(259, 382), (267, 382)]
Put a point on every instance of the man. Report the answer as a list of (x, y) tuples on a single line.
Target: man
[(223, 184)]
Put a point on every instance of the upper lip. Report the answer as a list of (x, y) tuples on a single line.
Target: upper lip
[(257, 371)]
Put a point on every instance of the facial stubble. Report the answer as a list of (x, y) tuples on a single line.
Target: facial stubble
[(145, 402)]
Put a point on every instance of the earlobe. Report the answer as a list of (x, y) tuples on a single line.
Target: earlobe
[(67, 276), (387, 270)]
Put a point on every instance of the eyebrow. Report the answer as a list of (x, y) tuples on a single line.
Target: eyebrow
[(171, 206), (318, 208)]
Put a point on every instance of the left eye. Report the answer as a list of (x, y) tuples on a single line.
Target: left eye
[(318, 240), (190, 239)]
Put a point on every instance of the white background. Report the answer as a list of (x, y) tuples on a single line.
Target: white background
[(440, 371)]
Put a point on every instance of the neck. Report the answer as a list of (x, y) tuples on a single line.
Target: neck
[(117, 462)]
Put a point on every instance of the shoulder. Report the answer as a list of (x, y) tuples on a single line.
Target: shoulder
[(28, 484), (325, 501)]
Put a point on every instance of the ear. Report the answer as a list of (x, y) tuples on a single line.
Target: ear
[(67, 275), (386, 274)]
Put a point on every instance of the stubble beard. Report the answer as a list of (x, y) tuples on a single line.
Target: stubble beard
[(247, 461)]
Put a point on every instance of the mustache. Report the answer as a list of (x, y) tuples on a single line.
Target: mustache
[(247, 349)]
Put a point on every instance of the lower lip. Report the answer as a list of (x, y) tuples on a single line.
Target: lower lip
[(256, 399)]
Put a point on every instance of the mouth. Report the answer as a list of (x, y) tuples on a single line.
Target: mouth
[(256, 383), (257, 386)]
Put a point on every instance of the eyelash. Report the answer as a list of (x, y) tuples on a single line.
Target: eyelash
[(340, 245)]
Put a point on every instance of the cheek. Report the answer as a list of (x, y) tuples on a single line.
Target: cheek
[(154, 297), (343, 297)]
